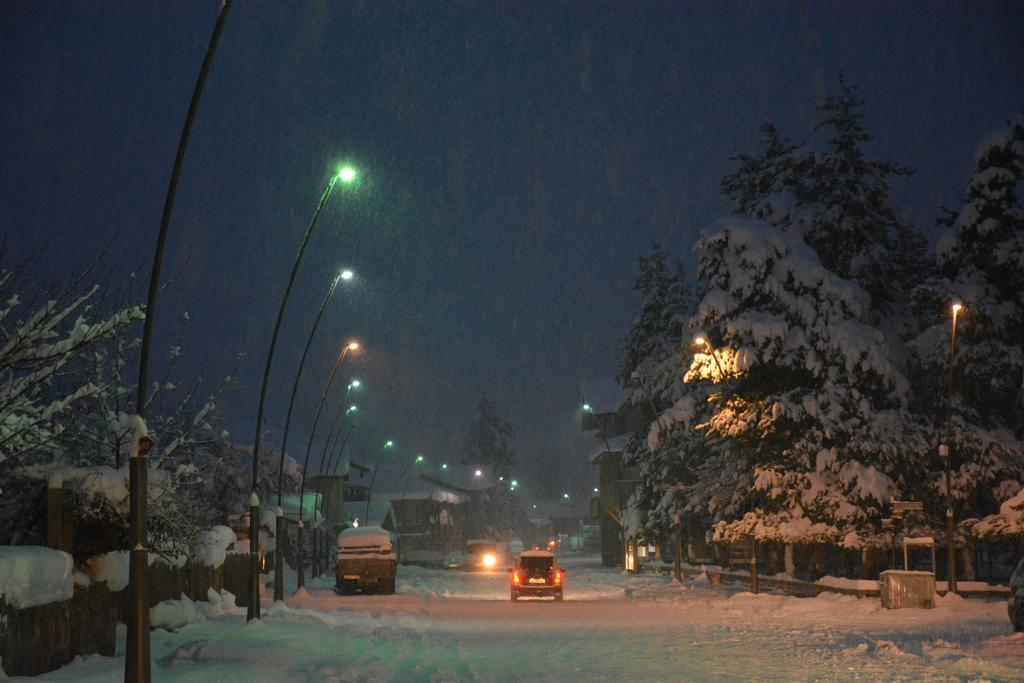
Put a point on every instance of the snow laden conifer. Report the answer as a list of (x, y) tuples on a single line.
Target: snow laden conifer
[(489, 443), (844, 208), (767, 185), (979, 411), (656, 357), (810, 430)]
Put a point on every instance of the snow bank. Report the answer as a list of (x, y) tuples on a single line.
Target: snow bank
[(174, 614), (110, 568), (212, 546), (33, 575)]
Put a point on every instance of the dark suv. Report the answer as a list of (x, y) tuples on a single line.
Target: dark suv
[(537, 574)]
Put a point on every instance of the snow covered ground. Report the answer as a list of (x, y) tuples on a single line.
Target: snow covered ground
[(452, 626)]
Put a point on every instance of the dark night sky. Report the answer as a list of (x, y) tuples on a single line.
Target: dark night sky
[(516, 159)]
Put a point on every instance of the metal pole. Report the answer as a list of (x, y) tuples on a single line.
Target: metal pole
[(312, 432), (137, 650), (279, 575), (254, 547), (295, 384), (950, 546)]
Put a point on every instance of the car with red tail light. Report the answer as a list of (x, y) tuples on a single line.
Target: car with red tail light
[(536, 574)]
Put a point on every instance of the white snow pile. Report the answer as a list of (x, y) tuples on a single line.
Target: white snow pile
[(33, 575), (110, 568), (172, 615), (212, 546), (1009, 521)]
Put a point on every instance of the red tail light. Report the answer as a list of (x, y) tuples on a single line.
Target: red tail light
[(558, 576), (515, 578)]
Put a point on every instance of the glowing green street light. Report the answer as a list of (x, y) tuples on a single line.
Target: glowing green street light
[(347, 274), (354, 384), (596, 491), (347, 174), (587, 408), (352, 409), (389, 444), (565, 495), (444, 466), (514, 483), (420, 458)]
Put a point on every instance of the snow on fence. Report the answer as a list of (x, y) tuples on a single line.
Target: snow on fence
[(53, 613)]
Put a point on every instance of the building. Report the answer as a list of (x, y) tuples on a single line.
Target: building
[(613, 421)]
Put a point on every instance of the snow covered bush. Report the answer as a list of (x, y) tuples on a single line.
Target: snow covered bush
[(40, 361)]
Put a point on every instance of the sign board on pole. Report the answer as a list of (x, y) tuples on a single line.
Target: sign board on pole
[(899, 506)]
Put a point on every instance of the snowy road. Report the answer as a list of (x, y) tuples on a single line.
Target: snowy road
[(452, 626)]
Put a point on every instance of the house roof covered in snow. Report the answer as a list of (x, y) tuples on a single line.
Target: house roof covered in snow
[(394, 483), (538, 511), (615, 444), (380, 511)]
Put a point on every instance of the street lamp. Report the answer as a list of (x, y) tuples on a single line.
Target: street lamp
[(351, 346), (419, 459), (703, 341), (137, 658), (326, 455), (955, 308), (565, 496), (254, 593), (600, 427), (444, 466), (389, 444), (280, 526)]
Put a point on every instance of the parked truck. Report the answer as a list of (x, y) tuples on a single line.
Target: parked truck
[(366, 561)]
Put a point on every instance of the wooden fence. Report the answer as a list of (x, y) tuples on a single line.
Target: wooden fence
[(46, 637)]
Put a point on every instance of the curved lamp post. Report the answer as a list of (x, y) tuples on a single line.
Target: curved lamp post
[(369, 494), (956, 308), (351, 346), (345, 175), (137, 666), (281, 528)]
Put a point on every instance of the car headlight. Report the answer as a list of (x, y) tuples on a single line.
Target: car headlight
[(490, 560)]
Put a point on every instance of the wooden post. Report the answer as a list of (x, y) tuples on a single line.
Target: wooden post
[(54, 511), (301, 557), (280, 543), (137, 667), (753, 566)]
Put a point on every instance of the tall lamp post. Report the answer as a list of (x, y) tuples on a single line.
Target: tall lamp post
[(351, 346), (137, 666), (324, 469), (944, 454), (389, 444), (281, 528), (346, 175)]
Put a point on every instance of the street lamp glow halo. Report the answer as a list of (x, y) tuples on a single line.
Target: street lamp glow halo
[(352, 346), (700, 341), (957, 307), (347, 274), (347, 174)]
